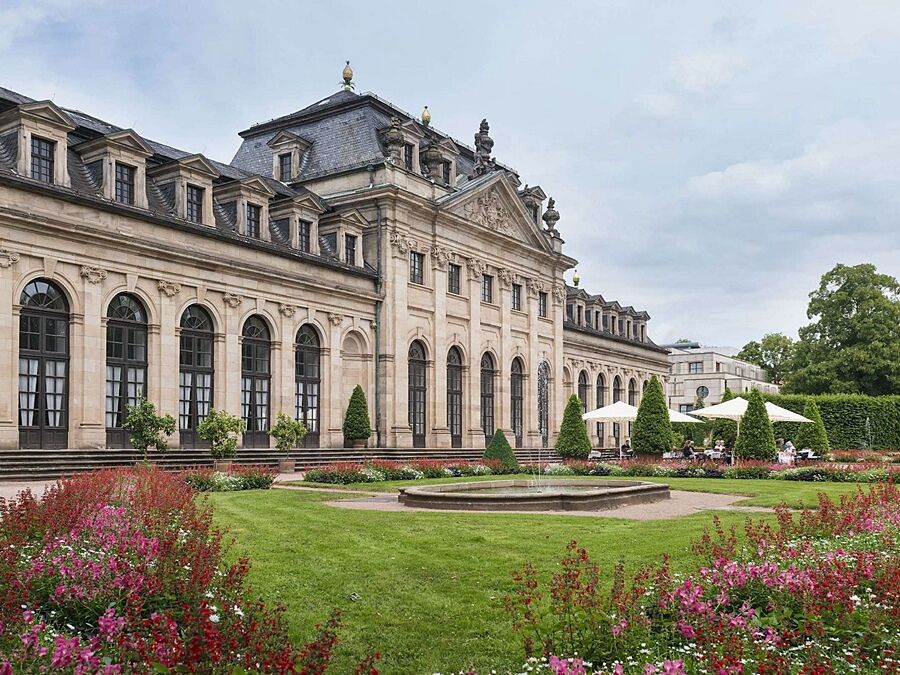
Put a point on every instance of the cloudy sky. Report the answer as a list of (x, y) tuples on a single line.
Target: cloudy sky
[(710, 160)]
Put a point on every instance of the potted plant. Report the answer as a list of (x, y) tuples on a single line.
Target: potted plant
[(147, 429), (357, 427), (221, 429), (287, 433)]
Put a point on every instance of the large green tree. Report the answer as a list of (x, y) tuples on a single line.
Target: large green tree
[(652, 428), (853, 344), (774, 353)]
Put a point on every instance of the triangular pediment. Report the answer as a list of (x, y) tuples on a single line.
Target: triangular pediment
[(283, 138), (491, 202), (129, 139), (200, 164), (258, 184), (48, 111)]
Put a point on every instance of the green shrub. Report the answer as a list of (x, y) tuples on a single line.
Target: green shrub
[(573, 440), (356, 421), (499, 449), (812, 435), (147, 429), (652, 428), (221, 430), (287, 432), (724, 430), (756, 440)]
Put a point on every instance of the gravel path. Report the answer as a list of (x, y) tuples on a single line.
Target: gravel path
[(10, 490), (681, 503)]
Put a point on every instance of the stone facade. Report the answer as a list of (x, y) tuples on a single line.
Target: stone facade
[(345, 244)]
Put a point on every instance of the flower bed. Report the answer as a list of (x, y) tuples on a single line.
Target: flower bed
[(345, 473), (121, 571), (239, 478), (815, 593)]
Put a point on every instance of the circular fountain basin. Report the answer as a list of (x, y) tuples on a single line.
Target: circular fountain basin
[(530, 495)]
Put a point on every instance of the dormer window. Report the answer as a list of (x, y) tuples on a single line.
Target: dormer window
[(445, 172), (284, 167), (304, 239), (195, 197), (408, 156), (42, 153), (124, 183), (350, 249), (254, 215)]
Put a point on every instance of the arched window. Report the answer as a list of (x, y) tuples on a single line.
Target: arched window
[(601, 401), (455, 396), (126, 364), (618, 394), (583, 390), (516, 400), (488, 372), (195, 377), (544, 402), (632, 392), (417, 391), (307, 382), (256, 348), (43, 366)]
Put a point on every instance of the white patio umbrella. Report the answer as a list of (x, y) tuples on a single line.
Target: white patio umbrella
[(623, 412), (736, 407)]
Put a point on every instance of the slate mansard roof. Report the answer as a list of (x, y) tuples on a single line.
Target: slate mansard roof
[(85, 183)]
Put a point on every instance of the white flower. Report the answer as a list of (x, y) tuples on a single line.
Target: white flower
[(238, 611), (214, 618)]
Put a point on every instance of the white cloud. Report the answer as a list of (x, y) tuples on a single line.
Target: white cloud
[(18, 19), (702, 72), (660, 106)]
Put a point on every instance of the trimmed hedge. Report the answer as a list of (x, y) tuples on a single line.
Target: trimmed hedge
[(499, 449), (756, 439), (573, 440), (813, 435), (652, 428), (844, 417)]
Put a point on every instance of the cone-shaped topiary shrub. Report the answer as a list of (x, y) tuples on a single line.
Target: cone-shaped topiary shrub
[(500, 450), (724, 430), (755, 440), (652, 432), (356, 420), (813, 435), (573, 440)]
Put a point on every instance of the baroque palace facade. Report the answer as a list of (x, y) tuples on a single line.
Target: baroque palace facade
[(346, 243)]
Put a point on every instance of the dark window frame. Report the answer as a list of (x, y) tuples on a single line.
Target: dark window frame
[(488, 387), (43, 159), (125, 178), (454, 276), (304, 236), (409, 157), (254, 220), (542, 304), (517, 297), (455, 396), (350, 249), (284, 172), (487, 288), (308, 382), (417, 268), (194, 197)]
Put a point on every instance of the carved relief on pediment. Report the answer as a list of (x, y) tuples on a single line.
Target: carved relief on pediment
[(488, 210)]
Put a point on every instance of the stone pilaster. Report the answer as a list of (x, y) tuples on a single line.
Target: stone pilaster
[(472, 393), (334, 418), (9, 351), (440, 428), (87, 370)]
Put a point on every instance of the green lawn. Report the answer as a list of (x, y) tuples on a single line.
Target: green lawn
[(795, 494), (430, 585)]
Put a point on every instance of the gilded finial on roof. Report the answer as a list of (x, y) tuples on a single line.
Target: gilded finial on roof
[(576, 279), (347, 74), (426, 117)]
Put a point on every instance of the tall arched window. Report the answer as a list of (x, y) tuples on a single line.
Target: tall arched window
[(43, 366), (601, 401), (516, 400), (583, 390), (455, 396), (126, 364), (544, 402), (195, 377), (618, 394), (488, 374), (256, 348), (417, 393), (307, 382), (632, 392)]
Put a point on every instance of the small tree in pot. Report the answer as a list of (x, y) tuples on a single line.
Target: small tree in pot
[(287, 433), (147, 429), (221, 429), (357, 427)]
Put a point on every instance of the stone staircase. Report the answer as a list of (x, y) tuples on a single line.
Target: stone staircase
[(34, 465)]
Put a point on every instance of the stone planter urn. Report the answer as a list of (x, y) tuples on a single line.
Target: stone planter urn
[(287, 465), (359, 442), (222, 465)]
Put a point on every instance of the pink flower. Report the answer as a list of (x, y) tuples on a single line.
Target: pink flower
[(64, 651), (675, 667), (686, 630)]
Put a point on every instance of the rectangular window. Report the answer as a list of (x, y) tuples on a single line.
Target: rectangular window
[(517, 297), (588, 318), (605, 323), (42, 158), (194, 209), (570, 312), (487, 288), (416, 267), (542, 304), (454, 272), (695, 367), (254, 214), (304, 236), (685, 408), (579, 318), (124, 183), (350, 249), (621, 326), (284, 167), (408, 156), (445, 172)]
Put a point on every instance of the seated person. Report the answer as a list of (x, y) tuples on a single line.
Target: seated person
[(687, 450), (626, 448), (720, 446)]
